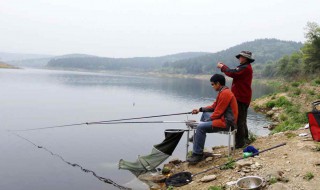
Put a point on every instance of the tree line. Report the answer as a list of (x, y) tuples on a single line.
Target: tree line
[(304, 63)]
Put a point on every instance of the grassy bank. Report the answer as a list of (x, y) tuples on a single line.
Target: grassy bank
[(288, 106)]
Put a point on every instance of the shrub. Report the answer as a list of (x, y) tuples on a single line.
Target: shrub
[(297, 92), (270, 104), (282, 102), (311, 92), (252, 137), (295, 84), (229, 165)]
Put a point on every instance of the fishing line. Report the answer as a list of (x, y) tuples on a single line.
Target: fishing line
[(99, 122), (105, 180)]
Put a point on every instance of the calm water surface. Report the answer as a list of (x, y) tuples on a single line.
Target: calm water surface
[(31, 98)]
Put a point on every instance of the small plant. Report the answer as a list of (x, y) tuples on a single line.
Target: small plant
[(215, 188), (290, 135), (170, 188), (295, 84), (297, 92), (273, 180), (311, 92), (316, 82), (317, 148), (308, 176), (283, 117), (229, 165), (252, 137), (270, 104)]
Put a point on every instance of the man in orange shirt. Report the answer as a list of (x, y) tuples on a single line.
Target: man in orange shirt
[(219, 116)]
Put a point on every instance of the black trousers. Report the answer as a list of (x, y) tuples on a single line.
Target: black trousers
[(242, 132)]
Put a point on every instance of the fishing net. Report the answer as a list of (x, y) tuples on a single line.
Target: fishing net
[(158, 155)]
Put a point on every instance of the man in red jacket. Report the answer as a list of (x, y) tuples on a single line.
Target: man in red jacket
[(241, 88), (219, 116)]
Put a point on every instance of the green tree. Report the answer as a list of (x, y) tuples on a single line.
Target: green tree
[(311, 49)]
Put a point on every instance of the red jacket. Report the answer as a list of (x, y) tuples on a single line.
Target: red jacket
[(242, 79), (225, 109)]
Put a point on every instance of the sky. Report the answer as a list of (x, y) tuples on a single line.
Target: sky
[(135, 28)]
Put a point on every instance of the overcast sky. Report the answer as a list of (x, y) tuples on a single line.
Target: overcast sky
[(127, 28)]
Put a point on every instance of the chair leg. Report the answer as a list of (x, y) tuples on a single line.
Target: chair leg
[(229, 145)]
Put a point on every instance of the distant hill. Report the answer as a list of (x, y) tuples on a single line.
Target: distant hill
[(104, 63), (6, 66), (42, 62), (5, 56), (264, 50)]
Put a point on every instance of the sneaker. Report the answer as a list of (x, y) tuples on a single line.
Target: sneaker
[(195, 158)]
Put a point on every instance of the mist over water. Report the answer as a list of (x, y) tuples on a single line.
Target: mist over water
[(33, 98)]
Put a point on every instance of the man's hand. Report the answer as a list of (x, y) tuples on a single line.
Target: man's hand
[(195, 111), (220, 65)]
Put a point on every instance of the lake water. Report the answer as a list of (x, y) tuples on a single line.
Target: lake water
[(31, 98)]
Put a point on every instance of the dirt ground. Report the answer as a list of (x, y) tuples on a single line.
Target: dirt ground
[(289, 163)]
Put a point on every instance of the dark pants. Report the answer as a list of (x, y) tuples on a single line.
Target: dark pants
[(242, 131)]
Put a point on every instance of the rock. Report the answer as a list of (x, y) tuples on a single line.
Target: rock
[(258, 165), (209, 159), (288, 170), (280, 133), (246, 170), (175, 161), (278, 186), (275, 174), (242, 163), (155, 186), (306, 126), (253, 167), (153, 178), (288, 162), (270, 113), (284, 157), (231, 183), (317, 163), (242, 174), (208, 178)]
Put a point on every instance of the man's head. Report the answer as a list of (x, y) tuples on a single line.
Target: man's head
[(217, 81), (245, 57)]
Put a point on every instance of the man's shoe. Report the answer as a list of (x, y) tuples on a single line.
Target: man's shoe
[(195, 158)]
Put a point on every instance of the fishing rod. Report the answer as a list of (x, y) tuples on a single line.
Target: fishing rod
[(103, 179), (120, 122), (99, 122)]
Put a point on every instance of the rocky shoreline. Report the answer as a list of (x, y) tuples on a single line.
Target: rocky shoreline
[(295, 166)]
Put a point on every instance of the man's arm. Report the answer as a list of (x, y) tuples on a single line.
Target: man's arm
[(233, 73)]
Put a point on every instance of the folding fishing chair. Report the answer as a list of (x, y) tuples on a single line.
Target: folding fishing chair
[(192, 126), (314, 121)]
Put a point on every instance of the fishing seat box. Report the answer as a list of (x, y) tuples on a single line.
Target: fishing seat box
[(314, 121)]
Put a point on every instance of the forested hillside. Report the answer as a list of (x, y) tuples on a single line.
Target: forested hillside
[(264, 50), (103, 63), (304, 63)]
